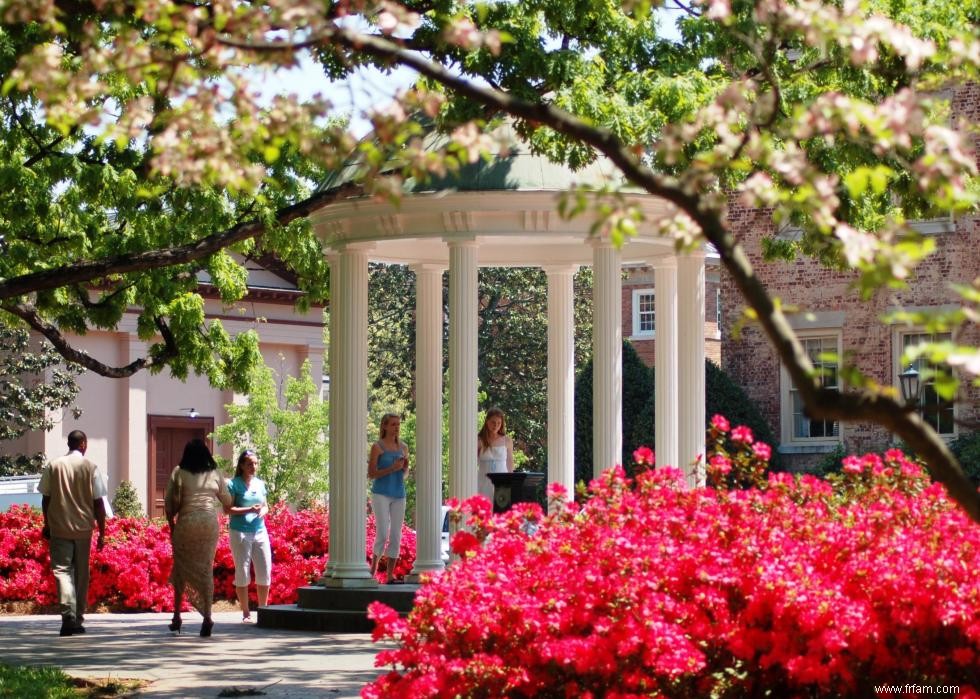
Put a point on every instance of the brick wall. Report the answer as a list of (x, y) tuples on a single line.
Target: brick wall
[(806, 284)]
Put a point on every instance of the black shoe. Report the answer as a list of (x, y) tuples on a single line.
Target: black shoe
[(70, 626), (206, 627)]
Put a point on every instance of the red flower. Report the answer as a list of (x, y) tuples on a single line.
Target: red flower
[(644, 456)]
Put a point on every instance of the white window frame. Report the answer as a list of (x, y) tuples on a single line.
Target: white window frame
[(637, 333), (789, 439), (898, 346)]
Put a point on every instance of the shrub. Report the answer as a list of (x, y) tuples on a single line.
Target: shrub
[(797, 588), (722, 397), (637, 386), (126, 503), (131, 572), (966, 447)]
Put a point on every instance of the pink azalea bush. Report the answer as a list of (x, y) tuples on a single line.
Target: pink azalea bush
[(797, 587), (131, 572)]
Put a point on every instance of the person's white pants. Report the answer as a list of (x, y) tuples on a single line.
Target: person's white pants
[(251, 548), (389, 515)]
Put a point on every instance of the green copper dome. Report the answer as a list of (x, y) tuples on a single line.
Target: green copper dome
[(519, 170)]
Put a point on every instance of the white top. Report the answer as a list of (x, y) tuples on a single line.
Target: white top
[(491, 460)]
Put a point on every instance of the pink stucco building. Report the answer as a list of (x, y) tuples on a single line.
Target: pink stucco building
[(137, 427)]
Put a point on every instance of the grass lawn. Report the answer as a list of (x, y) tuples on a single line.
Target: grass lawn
[(22, 682)]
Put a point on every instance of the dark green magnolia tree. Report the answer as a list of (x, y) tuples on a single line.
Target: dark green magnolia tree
[(124, 152), (35, 385)]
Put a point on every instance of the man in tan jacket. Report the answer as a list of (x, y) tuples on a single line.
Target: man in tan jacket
[(72, 488)]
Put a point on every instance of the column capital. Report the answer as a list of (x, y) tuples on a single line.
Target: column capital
[(599, 241), (431, 267), (461, 242), (560, 269), (693, 256), (664, 262), (342, 248)]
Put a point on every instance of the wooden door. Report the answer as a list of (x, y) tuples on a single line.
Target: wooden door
[(168, 436)]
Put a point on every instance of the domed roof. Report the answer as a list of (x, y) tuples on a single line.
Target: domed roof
[(518, 170)]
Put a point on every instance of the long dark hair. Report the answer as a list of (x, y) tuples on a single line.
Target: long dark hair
[(484, 436), (197, 457), (246, 454)]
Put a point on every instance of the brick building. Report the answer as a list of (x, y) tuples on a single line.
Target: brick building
[(838, 320)]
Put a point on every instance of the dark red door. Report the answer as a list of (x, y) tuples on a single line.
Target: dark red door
[(168, 436)]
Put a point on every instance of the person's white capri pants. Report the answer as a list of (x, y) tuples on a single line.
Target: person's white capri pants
[(251, 548), (389, 515)]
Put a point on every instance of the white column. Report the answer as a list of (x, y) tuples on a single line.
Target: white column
[(462, 367), (349, 488), (690, 307), (607, 357), (561, 376), (137, 441), (428, 425), (665, 365), (333, 360)]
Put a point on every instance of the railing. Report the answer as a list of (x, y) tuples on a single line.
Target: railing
[(19, 490)]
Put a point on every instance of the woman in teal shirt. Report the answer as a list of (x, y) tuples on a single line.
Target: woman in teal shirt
[(387, 466), (247, 534)]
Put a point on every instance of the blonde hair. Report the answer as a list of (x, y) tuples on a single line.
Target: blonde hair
[(485, 435), (384, 422)]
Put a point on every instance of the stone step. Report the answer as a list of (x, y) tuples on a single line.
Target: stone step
[(336, 610), (293, 618), (399, 597)]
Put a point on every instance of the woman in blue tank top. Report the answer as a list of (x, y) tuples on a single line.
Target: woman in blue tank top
[(387, 467)]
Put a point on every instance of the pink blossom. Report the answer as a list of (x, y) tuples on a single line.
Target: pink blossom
[(742, 434), (721, 464), (762, 450), (644, 456), (852, 464), (720, 423)]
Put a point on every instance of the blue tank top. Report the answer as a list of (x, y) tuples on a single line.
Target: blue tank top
[(392, 485)]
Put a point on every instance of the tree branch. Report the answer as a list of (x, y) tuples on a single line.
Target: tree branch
[(88, 270), (29, 315)]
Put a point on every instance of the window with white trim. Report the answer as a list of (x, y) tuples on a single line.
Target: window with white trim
[(935, 410), (823, 351), (643, 313)]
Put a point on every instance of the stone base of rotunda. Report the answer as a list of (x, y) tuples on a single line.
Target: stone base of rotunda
[(336, 609)]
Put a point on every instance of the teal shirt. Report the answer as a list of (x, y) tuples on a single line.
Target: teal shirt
[(246, 496), (392, 485)]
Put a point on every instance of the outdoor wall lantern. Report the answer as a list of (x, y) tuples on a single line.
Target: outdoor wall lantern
[(910, 385), (192, 412)]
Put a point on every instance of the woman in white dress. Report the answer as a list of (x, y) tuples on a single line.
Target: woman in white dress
[(494, 451)]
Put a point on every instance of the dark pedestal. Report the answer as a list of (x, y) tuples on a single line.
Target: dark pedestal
[(336, 610), (511, 488)]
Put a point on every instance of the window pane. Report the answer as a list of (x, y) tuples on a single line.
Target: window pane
[(645, 312), (805, 427)]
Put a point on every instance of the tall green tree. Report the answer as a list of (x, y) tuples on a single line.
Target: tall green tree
[(827, 114), (286, 423)]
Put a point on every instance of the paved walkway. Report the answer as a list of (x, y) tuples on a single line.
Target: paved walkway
[(282, 664)]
